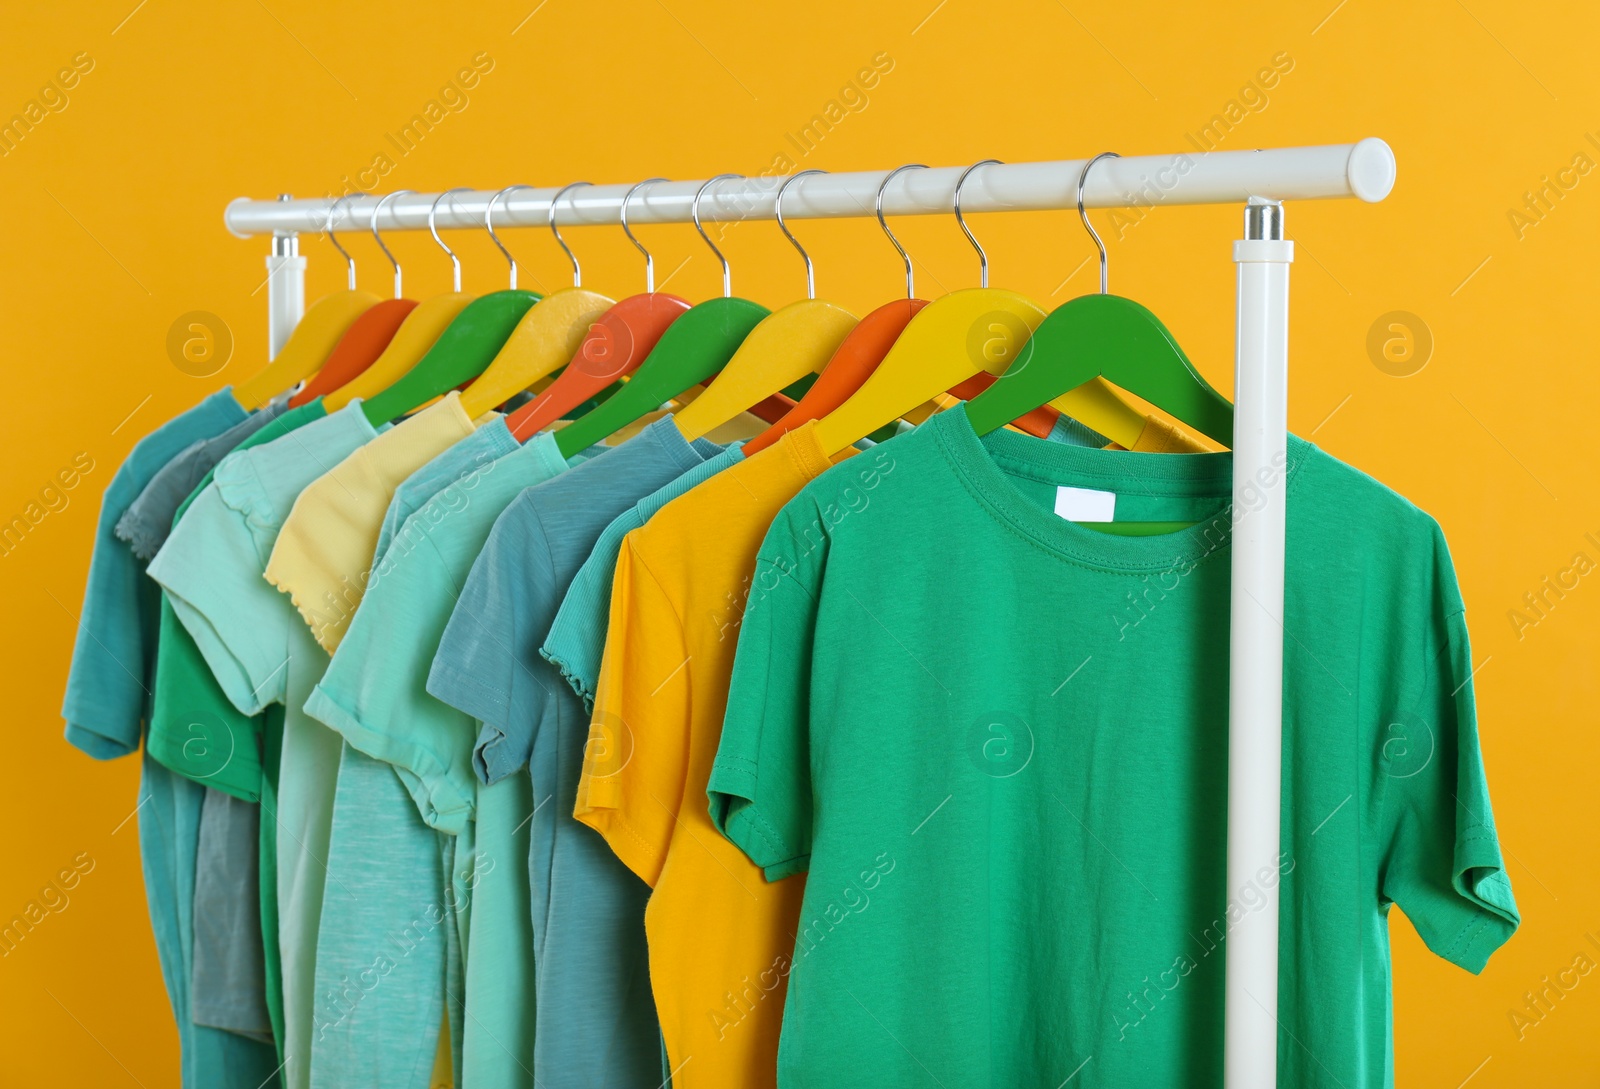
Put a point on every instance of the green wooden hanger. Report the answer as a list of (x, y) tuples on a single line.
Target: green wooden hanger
[(695, 347), (1103, 338), (463, 351)]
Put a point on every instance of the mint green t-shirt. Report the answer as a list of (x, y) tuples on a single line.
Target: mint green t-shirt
[(373, 693), (196, 731), (996, 741), (261, 653), (194, 728)]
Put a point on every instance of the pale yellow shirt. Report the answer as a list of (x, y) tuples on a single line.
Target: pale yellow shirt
[(323, 557)]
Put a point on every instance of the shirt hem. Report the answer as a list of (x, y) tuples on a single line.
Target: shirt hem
[(625, 841)]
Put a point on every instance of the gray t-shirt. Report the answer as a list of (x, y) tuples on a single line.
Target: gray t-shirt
[(148, 519), (228, 983), (596, 1020)]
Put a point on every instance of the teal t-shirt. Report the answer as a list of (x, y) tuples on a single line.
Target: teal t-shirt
[(996, 741), (108, 685), (106, 705)]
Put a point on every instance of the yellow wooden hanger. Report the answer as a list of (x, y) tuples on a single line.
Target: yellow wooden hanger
[(952, 339), (547, 337), (410, 342), (313, 339), (792, 342)]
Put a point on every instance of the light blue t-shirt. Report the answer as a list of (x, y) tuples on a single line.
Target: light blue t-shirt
[(1070, 432), (406, 765), (596, 1022), (577, 638), (260, 651), (107, 699)]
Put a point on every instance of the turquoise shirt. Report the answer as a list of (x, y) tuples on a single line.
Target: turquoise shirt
[(106, 701), (994, 739), (373, 695), (107, 687)]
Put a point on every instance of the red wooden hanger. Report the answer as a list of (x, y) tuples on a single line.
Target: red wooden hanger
[(863, 349), (612, 349), (358, 349), (366, 338)]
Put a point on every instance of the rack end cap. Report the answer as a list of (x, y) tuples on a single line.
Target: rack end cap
[(1371, 170), (227, 217)]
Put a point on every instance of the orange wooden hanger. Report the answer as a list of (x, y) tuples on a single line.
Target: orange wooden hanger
[(935, 352), (612, 349), (419, 331), (856, 358), (861, 353), (313, 341), (366, 338)]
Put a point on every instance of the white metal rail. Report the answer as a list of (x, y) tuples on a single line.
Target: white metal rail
[(1261, 180)]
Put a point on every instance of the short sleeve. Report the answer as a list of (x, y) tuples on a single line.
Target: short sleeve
[(760, 787), (635, 761), (577, 636), (107, 693), (374, 691), (322, 556), (195, 730), (1442, 861), (211, 568)]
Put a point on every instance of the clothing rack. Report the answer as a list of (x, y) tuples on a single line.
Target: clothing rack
[(1261, 181)]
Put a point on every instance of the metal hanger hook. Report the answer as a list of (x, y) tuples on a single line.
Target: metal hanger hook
[(577, 273), (350, 262), (777, 208), (376, 209), (455, 262), (694, 214), (649, 262), (911, 286), (983, 258), (488, 223), (1083, 215)]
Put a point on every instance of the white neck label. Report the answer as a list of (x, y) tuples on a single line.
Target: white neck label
[(1085, 504)]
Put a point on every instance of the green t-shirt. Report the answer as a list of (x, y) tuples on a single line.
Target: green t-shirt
[(996, 740)]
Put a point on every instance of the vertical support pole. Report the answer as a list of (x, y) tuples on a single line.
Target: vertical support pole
[(1255, 671), (286, 288)]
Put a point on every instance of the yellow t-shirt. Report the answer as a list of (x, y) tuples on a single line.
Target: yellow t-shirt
[(1165, 437), (720, 935), (323, 555)]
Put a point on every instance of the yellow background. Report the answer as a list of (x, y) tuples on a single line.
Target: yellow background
[(113, 228)]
